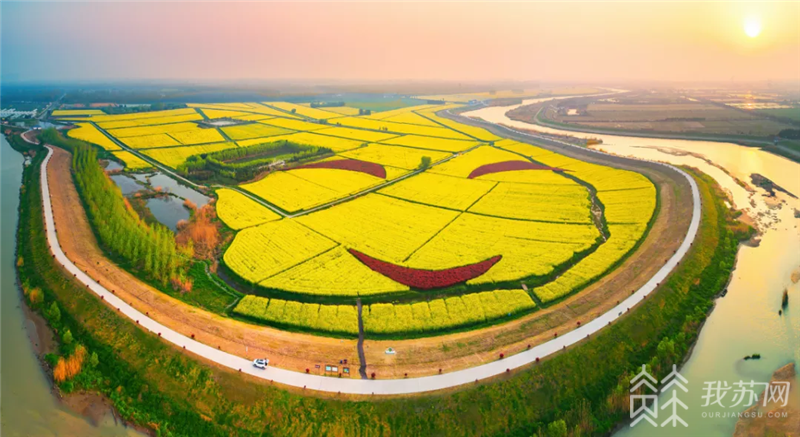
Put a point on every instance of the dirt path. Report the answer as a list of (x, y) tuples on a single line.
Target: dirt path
[(362, 370)]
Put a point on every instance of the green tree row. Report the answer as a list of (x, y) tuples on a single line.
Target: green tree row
[(244, 163), (149, 248)]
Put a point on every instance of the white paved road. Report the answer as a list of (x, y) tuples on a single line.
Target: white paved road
[(362, 386)]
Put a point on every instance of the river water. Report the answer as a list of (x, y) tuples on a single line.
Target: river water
[(746, 320), (27, 405)]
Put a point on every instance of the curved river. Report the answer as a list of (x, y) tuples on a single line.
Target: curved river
[(746, 320), (29, 407)]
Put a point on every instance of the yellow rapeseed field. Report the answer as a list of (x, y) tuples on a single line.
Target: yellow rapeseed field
[(197, 136), (143, 115), (412, 118), (629, 206), (557, 203), (528, 248), (90, 134), (522, 148), (400, 111), (472, 131), (535, 219), (431, 143), (239, 212), (333, 273), (439, 190), (223, 113), (395, 156), (623, 239), (150, 141), (175, 156), (338, 319), (298, 125), (254, 117), (383, 227), (149, 121), (629, 201), (152, 130), (343, 110), (301, 189), (253, 130), (398, 128), (356, 134), (334, 143), (247, 108), (537, 177), (305, 111), (461, 166), (443, 314), (262, 251), (132, 162)]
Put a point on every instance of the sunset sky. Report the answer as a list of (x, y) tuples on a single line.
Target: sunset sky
[(585, 41)]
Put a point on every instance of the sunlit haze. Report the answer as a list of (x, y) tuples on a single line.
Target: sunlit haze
[(395, 41)]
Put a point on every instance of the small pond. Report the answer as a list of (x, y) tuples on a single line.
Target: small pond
[(127, 184), (166, 182), (168, 210), (113, 165)]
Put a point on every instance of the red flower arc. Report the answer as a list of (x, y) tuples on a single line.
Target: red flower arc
[(498, 167), (370, 168), (426, 279)]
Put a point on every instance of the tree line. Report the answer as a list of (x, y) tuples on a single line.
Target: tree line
[(244, 163), (149, 248)]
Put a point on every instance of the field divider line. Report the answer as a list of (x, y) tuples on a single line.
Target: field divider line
[(496, 183), (202, 113), (302, 261), (362, 357), (433, 236), (381, 386), (449, 127)]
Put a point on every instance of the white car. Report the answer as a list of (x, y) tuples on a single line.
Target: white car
[(261, 363)]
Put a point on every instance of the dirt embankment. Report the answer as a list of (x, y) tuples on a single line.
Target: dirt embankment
[(94, 407), (774, 418), (39, 333), (416, 357)]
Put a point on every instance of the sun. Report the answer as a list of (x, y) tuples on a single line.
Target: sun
[(752, 27)]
